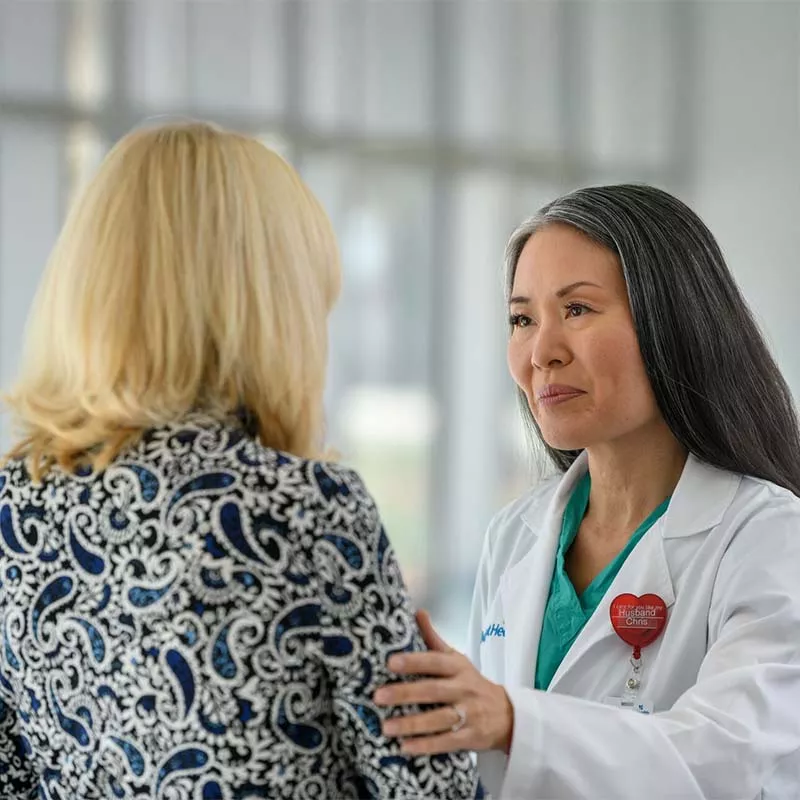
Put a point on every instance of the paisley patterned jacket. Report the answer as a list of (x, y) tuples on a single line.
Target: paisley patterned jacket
[(206, 619)]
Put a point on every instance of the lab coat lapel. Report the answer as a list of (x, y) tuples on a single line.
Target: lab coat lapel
[(699, 502), (526, 586), (645, 571)]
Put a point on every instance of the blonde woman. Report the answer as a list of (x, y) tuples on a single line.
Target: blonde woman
[(192, 604)]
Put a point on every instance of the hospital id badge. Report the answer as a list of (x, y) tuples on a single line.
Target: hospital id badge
[(639, 706), (638, 621)]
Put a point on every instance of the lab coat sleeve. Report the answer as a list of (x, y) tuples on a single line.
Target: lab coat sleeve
[(724, 737)]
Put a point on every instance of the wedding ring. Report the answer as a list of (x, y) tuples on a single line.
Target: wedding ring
[(462, 719)]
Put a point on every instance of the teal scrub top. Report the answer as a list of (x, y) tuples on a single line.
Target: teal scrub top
[(566, 613)]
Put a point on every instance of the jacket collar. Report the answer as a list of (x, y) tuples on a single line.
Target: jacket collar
[(526, 585), (699, 502)]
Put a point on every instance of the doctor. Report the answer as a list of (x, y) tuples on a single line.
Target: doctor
[(635, 628)]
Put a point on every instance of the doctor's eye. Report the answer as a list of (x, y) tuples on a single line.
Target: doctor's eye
[(519, 321), (577, 310)]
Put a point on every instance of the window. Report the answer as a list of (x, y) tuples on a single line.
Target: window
[(427, 129)]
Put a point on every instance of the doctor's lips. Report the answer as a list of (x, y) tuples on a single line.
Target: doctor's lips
[(555, 393)]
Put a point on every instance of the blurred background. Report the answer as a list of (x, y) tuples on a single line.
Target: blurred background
[(429, 129)]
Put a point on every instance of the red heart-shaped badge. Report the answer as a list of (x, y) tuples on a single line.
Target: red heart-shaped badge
[(638, 621)]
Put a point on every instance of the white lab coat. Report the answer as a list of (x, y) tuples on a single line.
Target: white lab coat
[(723, 679)]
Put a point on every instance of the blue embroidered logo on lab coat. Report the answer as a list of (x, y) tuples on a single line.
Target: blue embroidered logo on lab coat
[(493, 630)]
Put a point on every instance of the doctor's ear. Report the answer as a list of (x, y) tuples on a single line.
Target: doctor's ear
[(429, 634)]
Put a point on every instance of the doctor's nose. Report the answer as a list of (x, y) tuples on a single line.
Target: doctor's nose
[(549, 349)]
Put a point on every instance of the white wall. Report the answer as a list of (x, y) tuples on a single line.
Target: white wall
[(31, 162)]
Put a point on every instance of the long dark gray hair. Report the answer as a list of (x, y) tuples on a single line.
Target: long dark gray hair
[(717, 386)]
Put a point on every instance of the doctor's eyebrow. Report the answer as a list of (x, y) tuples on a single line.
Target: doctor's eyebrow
[(563, 291)]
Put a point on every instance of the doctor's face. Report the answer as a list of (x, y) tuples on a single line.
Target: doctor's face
[(573, 349)]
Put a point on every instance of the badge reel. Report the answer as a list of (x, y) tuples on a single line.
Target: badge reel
[(638, 621)]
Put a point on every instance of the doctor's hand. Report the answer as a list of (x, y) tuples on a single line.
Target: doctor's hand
[(475, 714)]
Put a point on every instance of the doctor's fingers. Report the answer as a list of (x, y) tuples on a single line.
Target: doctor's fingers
[(428, 663), (430, 634), (439, 732), (440, 721), (421, 692), (487, 723)]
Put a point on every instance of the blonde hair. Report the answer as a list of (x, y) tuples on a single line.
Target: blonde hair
[(194, 273)]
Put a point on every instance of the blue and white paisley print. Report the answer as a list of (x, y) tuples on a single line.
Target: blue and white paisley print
[(206, 619)]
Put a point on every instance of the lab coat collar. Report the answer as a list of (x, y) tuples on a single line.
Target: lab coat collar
[(700, 500), (698, 503)]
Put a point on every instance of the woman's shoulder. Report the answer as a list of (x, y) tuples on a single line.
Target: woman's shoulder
[(218, 447), (759, 501), (766, 492), (197, 455), (744, 519)]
